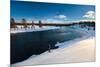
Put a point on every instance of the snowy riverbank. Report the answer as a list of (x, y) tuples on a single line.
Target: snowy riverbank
[(83, 51), (77, 50), (36, 28)]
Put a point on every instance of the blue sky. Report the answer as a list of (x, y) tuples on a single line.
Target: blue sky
[(48, 11)]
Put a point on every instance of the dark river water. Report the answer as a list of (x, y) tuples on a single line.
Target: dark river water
[(24, 45)]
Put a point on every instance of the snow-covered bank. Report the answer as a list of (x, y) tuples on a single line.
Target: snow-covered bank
[(77, 50), (87, 34), (83, 51), (36, 28)]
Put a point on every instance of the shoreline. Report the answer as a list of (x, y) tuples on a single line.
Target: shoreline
[(83, 51), (23, 30), (71, 46)]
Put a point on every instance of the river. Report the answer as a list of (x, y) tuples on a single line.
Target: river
[(26, 44)]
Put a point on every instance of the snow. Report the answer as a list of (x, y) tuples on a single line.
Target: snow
[(29, 29), (77, 50), (82, 51), (88, 34)]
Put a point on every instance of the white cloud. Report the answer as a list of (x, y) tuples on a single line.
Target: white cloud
[(89, 14), (56, 19), (51, 20), (61, 17)]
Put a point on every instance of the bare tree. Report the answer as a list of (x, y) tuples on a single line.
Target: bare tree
[(40, 23), (33, 24), (25, 23), (12, 23)]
